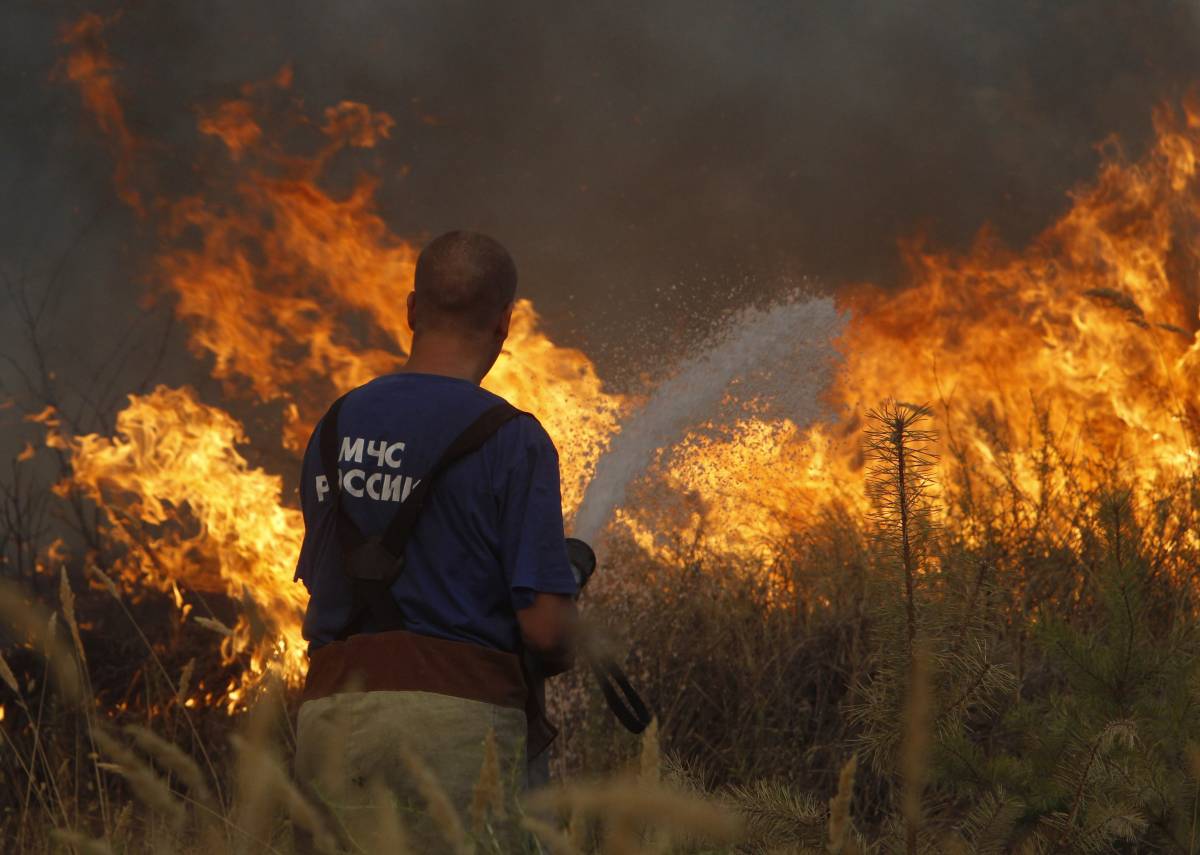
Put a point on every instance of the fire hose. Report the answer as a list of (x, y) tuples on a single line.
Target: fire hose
[(623, 700)]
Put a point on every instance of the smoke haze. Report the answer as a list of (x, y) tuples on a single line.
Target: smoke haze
[(652, 167)]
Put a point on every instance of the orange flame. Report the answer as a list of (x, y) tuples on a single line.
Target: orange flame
[(1093, 325), (302, 296), (171, 452), (1096, 321), (297, 294), (90, 67)]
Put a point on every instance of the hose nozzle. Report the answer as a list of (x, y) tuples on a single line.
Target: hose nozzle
[(583, 560)]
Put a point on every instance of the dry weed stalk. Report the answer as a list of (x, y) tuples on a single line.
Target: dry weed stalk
[(105, 580), (148, 787), (121, 824), (81, 842), (115, 593), (31, 622), (214, 625), (173, 759), (263, 786), (488, 795), (650, 759), (556, 841), (389, 834), (9, 678), (577, 829), (262, 783), (840, 840), (441, 809), (185, 679), (626, 803), (67, 598)]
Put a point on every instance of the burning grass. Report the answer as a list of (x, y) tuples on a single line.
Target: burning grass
[(992, 649), (1035, 692)]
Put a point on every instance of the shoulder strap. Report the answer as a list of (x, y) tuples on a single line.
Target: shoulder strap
[(348, 533), (375, 563), (395, 537), (329, 445)]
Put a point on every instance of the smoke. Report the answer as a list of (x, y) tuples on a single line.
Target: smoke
[(653, 167)]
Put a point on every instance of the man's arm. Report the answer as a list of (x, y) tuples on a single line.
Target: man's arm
[(548, 631), (533, 547)]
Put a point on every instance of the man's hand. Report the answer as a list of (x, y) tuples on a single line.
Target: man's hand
[(548, 630)]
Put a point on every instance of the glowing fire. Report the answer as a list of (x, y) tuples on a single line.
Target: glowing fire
[(283, 271), (297, 294), (1093, 326), (90, 67), (1097, 319), (170, 453)]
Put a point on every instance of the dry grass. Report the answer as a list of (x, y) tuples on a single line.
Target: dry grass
[(1022, 682)]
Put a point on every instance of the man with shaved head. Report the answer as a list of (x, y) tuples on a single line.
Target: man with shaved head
[(464, 281), (436, 562)]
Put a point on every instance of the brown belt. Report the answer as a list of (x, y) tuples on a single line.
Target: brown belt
[(401, 661)]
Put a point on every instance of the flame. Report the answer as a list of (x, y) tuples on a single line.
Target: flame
[(301, 295), (90, 67), (191, 511), (296, 293), (1095, 322), (1089, 335)]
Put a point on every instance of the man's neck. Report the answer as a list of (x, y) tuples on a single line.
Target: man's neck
[(448, 358)]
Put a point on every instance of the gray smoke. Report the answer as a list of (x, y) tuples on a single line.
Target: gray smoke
[(652, 166)]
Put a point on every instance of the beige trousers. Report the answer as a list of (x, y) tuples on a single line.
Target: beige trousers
[(355, 756)]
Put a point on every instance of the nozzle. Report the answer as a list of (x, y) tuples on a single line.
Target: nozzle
[(583, 560)]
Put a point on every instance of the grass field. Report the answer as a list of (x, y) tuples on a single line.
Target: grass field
[(961, 671)]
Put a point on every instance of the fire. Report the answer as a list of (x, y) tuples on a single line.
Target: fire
[(90, 67), (1096, 322), (296, 293), (172, 453), (1089, 334), (739, 491), (301, 295)]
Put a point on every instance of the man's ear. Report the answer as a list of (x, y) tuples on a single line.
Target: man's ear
[(505, 322), (412, 302)]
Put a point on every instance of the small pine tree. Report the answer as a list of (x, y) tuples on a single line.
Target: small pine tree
[(935, 664)]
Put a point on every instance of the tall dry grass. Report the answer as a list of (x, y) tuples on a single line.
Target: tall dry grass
[(1021, 678)]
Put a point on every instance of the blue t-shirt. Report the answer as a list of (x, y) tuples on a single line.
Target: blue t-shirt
[(490, 533)]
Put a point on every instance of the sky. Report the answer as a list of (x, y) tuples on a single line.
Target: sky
[(652, 166)]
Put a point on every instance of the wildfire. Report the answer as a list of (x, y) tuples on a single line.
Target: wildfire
[(297, 294), (744, 490), (1095, 323), (301, 295), (171, 453), (1088, 335), (90, 67)]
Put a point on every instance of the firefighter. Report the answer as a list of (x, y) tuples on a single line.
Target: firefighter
[(440, 588)]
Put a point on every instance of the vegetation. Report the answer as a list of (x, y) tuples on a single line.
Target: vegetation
[(974, 668)]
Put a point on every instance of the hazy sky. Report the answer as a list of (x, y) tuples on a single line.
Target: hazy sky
[(650, 164)]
